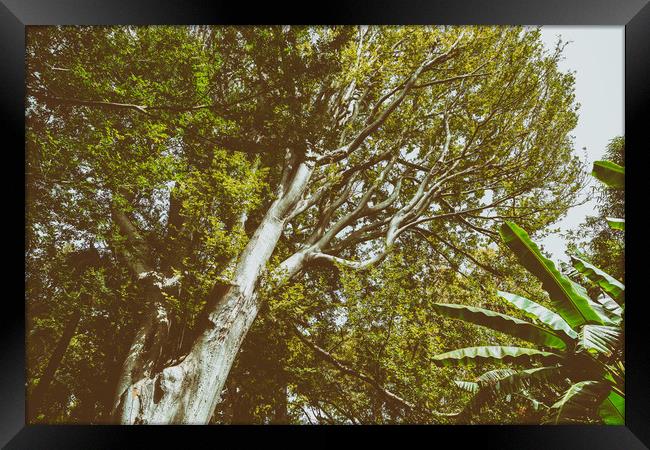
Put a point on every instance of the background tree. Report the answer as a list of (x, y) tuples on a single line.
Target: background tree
[(595, 239), (210, 166)]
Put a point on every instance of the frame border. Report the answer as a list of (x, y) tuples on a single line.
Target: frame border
[(15, 15)]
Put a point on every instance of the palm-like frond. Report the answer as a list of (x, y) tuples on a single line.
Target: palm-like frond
[(503, 323), (571, 304), (539, 312), (494, 353)]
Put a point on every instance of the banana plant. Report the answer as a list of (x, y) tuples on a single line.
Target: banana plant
[(578, 342)]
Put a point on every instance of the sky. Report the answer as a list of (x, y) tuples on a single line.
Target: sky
[(595, 54)]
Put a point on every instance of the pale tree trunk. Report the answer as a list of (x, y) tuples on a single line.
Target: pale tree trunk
[(140, 362), (189, 391)]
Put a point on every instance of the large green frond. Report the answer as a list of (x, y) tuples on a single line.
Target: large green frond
[(539, 312), (503, 323), (606, 282), (570, 304), (609, 173), (494, 353)]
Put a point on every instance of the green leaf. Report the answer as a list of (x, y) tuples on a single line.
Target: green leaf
[(521, 380), (607, 317), (503, 323), (469, 386), (468, 355), (539, 312), (571, 305), (616, 224), (600, 338), (493, 376), (511, 381), (578, 401), (610, 305), (496, 383), (609, 173), (612, 409), (607, 283)]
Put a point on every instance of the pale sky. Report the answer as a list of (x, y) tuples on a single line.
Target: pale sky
[(595, 54)]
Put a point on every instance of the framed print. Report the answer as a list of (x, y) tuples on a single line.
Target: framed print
[(404, 218)]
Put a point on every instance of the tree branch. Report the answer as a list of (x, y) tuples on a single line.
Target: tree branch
[(345, 368)]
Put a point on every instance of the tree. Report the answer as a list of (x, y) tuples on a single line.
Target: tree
[(596, 239), (213, 163)]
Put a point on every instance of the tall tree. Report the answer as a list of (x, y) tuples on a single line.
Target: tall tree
[(216, 162)]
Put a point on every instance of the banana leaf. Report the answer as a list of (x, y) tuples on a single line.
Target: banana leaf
[(609, 173), (600, 338), (539, 312), (611, 318), (606, 316), (468, 355), (493, 376), (606, 282), (499, 382), (616, 224), (579, 401), (612, 409), (570, 304), (610, 305), (503, 323), (469, 386), (499, 375)]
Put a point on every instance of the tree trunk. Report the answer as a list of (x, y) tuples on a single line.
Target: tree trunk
[(38, 394), (188, 392), (141, 361)]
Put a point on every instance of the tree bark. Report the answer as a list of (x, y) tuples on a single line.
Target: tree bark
[(188, 392)]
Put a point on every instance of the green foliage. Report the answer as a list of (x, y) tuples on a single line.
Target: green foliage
[(609, 173), (616, 224), (507, 354), (612, 410), (600, 338), (580, 397), (569, 301), (539, 312), (600, 240), (608, 284), (501, 322), (591, 360)]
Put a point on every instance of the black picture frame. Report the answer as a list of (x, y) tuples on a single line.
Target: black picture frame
[(15, 15)]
